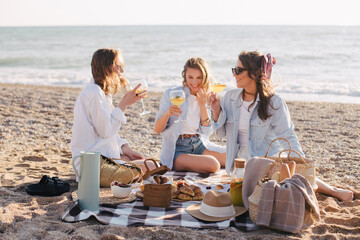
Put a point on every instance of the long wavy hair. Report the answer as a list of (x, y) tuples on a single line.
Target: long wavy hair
[(201, 64), (104, 66), (251, 61)]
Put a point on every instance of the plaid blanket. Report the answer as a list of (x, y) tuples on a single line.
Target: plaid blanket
[(136, 214)]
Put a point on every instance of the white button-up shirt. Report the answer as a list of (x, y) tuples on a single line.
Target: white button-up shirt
[(96, 124)]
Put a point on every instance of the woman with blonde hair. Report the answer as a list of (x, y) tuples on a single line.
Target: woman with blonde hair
[(96, 120), (252, 115), (185, 143)]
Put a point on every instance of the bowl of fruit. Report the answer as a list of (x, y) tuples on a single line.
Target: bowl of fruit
[(120, 190)]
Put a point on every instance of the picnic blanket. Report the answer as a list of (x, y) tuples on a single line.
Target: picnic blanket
[(136, 214)]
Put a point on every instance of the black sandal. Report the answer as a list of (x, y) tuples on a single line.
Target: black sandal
[(48, 187)]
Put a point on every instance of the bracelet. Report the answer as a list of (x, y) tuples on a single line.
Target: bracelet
[(205, 121)]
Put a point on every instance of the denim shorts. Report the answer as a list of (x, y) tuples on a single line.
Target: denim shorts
[(191, 145)]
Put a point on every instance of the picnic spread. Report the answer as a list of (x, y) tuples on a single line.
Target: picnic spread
[(134, 213), (248, 199)]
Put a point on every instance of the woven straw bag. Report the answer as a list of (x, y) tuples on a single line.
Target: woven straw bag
[(112, 171), (156, 195), (254, 198), (303, 167)]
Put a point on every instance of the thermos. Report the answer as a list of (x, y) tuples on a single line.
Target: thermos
[(89, 180)]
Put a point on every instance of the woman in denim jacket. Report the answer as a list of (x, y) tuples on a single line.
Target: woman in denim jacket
[(252, 115), (185, 144)]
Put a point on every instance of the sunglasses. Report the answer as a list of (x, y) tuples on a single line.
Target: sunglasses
[(238, 70)]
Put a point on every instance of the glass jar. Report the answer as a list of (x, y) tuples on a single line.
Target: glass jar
[(236, 182)]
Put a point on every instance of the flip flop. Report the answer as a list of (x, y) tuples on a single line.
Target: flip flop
[(48, 187)]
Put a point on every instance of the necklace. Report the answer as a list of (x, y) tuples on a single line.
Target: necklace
[(252, 94)]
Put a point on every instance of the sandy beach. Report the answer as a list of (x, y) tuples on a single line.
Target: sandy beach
[(35, 133)]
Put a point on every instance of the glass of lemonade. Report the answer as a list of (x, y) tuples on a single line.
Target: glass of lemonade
[(216, 86), (144, 86), (177, 97)]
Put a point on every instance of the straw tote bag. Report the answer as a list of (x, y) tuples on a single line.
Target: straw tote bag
[(303, 167), (254, 199), (122, 172)]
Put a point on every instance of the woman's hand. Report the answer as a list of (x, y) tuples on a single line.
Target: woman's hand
[(160, 124), (215, 106), (174, 110), (215, 102), (201, 97), (133, 155), (131, 97)]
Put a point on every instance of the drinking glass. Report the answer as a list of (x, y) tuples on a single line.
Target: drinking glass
[(144, 86), (216, 86), (177, 97)]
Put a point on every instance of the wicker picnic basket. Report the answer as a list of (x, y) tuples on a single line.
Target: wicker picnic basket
[(156, 195), (303, 167), (254, 198), (110, 171)]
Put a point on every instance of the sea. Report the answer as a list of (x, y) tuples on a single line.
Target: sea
[(313, 63)]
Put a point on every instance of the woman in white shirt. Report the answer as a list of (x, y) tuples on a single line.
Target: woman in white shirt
[(185, 144), (96, 120)]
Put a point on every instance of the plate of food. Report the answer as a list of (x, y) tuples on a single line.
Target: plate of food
[(181, 191)]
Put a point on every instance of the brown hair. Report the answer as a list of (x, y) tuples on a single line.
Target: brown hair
[(201, 64), (251, 61), (104, 64)]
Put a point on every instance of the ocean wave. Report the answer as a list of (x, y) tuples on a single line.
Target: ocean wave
[(313, 61), (15, 61), (353, 91)]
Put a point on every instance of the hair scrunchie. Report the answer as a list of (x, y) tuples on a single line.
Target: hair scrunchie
[(266, 65)]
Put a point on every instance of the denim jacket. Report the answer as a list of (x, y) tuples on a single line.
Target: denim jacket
[(261, 133), (172, 130)]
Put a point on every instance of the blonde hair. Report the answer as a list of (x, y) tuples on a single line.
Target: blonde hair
[(104, 64), (201, 64)]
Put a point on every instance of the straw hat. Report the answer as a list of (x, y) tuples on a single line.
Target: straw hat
[(216, 206)]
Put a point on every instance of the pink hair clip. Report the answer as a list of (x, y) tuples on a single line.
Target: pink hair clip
[(266, 65)]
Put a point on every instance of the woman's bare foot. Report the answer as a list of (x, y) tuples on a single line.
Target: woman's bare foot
[(343, 195), (339, 193)]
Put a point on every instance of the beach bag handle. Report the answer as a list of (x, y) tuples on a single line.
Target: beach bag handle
[(150, 159), (267, 152), (290, 150), (160, 170)]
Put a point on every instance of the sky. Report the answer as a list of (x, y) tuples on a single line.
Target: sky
[(178, 12)]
